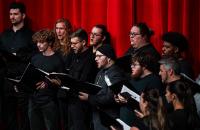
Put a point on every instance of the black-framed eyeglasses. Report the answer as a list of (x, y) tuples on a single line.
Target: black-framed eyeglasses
[(132, 34), (95, 34)]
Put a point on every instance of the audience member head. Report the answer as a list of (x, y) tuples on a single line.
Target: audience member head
[(17, 12), (169, 69), (79, 40), (105, 56), (174, 44), (63, 29), (152, 107), (140, 35), (44, 39), (142, 64)]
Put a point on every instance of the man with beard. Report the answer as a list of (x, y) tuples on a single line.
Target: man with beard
[(16, 41), (83, 68), (109, 74), (143, 78)]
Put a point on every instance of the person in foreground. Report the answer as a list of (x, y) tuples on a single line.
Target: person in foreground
[(109, 74), (152, 112), (184, 116)]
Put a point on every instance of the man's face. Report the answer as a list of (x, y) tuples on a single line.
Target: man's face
[(168, 49), (101, 60), (77, 45), (137, 70), (135, 37), (96, 36), (42, 46), (16, 17), (60, 30), (163, 73)]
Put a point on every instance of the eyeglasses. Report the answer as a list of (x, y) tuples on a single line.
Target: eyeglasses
[(99, 56), (134, 65), (95, 34), (132, 34)]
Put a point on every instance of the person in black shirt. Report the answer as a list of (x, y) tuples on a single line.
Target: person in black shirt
[(152, 112), (63, 30), (140, 35), (2, 76), (43, 111), (142, 77), (16, 41), (109, 74), (99, 36), (184, 116), (174, 45), (83, 68), (169, 70)]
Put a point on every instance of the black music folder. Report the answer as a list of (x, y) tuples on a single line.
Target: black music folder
[(72, 84), (123, 88), (117, 87), (109, 121), (30, 76), (132, 97)]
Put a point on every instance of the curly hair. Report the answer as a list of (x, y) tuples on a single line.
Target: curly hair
[(44, 35)]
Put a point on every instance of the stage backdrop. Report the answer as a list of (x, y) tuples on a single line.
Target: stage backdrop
[(119, 15)]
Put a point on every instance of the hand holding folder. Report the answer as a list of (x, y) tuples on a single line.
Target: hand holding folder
[(123, 89), (34, 77), (30, 77)]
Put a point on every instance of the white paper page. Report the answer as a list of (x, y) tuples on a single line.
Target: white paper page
[(133, 94)]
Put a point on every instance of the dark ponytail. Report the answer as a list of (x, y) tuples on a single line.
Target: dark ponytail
[(184, 94)]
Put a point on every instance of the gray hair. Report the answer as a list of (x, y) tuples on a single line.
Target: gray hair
[(171, 63)]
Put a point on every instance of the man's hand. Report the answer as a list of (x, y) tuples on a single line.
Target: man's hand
[(83, 96), (41, 85), (121, 99)]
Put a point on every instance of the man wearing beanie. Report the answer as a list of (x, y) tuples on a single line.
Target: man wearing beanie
[(109, 74), (174, 44)]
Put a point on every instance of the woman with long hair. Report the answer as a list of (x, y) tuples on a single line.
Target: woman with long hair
[(152, 112), (63, 30), (184, 116)]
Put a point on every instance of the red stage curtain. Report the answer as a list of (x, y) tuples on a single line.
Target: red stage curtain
[(119, 15)]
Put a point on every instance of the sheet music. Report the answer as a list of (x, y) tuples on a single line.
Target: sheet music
[(133, 94), (125, 126)]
